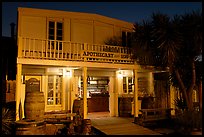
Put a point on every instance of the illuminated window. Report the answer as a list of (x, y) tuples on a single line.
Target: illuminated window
[(54, 94), (55, 35), (128, 84)]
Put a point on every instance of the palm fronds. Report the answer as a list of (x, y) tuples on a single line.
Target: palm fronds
[(8, 118)]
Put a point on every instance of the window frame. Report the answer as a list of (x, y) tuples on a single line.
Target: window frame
[(55, 41), (54, 86), (127, 85)]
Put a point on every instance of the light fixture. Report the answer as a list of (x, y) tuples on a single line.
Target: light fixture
[(68, 73), (120, 75)]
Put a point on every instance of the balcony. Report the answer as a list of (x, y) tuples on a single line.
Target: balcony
[(71, 51)]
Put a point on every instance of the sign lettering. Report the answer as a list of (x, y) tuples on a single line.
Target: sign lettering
[(105, 55)]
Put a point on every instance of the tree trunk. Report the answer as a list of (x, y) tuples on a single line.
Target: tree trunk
[(187, 92), (182, 88), (192, 86), (190, 99)]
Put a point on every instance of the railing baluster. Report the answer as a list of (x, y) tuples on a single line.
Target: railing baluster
[(34, 48), (29, 47), (55, 47), (77, 50), (50, 44), (62, 49), (58, 51), (46, 48), (24, 46), (42, 49), (70, 50)]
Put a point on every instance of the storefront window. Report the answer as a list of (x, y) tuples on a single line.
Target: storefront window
[(128, 85), (54, 93)]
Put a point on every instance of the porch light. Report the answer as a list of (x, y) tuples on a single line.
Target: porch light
[(68, 73), (120, 75)]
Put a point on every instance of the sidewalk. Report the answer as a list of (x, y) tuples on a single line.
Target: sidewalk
[(119, 126)]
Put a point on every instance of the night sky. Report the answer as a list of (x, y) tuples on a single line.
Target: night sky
[(127, 11)]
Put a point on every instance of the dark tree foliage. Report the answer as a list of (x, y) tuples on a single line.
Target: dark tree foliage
[(175, 43)]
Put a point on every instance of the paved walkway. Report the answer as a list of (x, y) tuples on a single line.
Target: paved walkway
[(119, 126)]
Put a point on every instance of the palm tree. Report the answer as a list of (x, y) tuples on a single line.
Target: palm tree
[(185, 65), (114, 41), (143, 45), (176, 44)]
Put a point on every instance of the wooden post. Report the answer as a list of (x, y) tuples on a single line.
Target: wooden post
[(18, 89), (136, 105), (20, 39), (85, 92)]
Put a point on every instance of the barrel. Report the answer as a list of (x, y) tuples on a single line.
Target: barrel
[(34, 105), (86, 125), (125, 106), (30, 127), (78, 106)]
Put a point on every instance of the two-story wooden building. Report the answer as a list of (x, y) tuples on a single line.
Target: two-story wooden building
[(65, 52)]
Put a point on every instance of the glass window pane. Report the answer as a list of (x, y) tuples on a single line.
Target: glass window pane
[(124, 85), (59, 32), (59, 37), (50, 101), (58, 89), (51, 31), (57, 101), (51, 24), (50, 92), (130, 84), (51, 37), (59, 25), (124, 38)]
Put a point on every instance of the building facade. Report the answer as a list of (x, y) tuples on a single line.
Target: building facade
[(66, 54)]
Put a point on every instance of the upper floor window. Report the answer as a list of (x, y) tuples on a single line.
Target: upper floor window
[(126, 39), (55, 35)]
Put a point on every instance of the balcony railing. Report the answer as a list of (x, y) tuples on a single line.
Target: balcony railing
[(72, 51)]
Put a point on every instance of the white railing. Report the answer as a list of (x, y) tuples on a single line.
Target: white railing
[(66, 50)]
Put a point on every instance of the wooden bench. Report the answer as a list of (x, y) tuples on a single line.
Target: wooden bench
[(154, 115), (58, 117)]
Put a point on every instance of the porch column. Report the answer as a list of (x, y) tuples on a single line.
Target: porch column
[(73, 89), (18, 89), (85, 92), (118, 90), (67, 90), (111, 98), (136, 105), (64, 101)]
